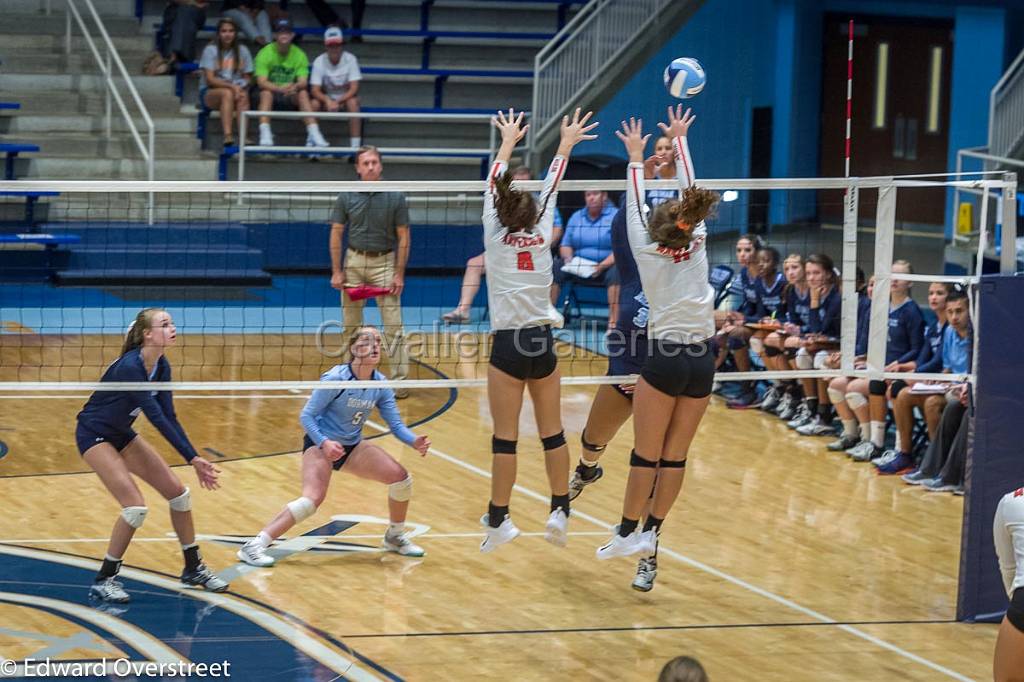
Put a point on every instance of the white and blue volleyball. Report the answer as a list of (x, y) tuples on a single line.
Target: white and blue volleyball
[(684, 78)]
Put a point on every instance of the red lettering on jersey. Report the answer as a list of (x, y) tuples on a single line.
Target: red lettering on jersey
[(524, 261), (522, 241), (681, 254), (1018, 492)]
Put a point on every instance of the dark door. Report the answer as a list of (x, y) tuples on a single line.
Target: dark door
[(900, 113)]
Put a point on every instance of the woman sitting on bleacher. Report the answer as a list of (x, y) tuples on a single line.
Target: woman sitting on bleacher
[(226, 67), (782, 397)]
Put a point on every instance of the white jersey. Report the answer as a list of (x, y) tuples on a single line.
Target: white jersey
[(674, 280), (518, 264), (1008, 533)]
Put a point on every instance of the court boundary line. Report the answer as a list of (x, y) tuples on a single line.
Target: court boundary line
[(721, 575)]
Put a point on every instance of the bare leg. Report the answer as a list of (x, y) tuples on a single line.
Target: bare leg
[(505, 395), (316, 475), (1008, 663), (685, 420), (608, 413), (546, 395), (114, 473), (373, 463), (147, 464), (652, 415)]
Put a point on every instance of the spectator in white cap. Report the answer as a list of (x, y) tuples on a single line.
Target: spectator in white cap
[(335, 82)]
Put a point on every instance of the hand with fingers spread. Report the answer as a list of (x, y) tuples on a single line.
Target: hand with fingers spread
[(575, 130), (632, 136), (679, 122), (510, 125), (206, 473)]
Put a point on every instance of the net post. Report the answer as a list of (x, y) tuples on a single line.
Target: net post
[(885, 226), (848, 334), (1008, 255)]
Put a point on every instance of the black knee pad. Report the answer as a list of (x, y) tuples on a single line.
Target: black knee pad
[(1015, 612), (896, 387), (772, 351), (672, 463), (555, 441), (500, 446), (876, 387), (590, 447), (735, 342), (790, 353), (636, 460)]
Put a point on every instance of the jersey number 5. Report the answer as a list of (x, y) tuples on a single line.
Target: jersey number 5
[(524, 261), (357, 419)]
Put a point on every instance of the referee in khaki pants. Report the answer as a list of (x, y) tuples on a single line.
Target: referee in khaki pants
[(378, 249)]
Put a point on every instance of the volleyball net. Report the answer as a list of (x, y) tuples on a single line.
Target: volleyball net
[(245, 271)]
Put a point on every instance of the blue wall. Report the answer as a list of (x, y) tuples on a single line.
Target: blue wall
[(768, 53)]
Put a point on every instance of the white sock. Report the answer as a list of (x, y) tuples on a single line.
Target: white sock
[(849, 428), (263, 539), (865, 431), (899, 442), (190, 546), (878, 433), (107, 557), (313, 130), (587, 463), (357, 141), (396, 528), (264, 129)]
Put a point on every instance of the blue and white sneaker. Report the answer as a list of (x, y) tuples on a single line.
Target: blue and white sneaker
[(898, 464), (915, 477), (935, 485)]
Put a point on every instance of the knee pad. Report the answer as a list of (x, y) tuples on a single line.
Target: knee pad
[(790, 353), (803, 359), (134, 516), (820, 358), (1015, 612), (636, 460), (672, 463), (835, 396), (856, 400), (181, 503), (500, 446), (876, 387), (301, 509), (896, 387), (736, 342), (590, 447), (757, 345), (401, 491), (772, 351), (553, 442)]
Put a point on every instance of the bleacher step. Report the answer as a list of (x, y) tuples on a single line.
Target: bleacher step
[(184, 276)]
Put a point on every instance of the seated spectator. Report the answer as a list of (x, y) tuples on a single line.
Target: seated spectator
[(226, 68), (281, 70), (588, 235), (335, 82), (928, 360), (251, 18), (475, 269), (181, 22), (946, 457), (783, 395), (853, 433), (903, 344)]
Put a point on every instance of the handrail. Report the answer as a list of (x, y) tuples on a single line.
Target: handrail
[(1006, 110), (573, 60), (107, 70)]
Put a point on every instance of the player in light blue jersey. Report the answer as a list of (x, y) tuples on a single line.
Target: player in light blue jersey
[(333, 420)]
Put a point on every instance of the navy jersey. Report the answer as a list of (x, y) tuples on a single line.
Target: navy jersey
[(769, 297), (633, 306), (339, 414), (748, 304), (860, 347), (906, 332), (798, 308), (110, 414), (827, 318), (930, 358), (739, 287)]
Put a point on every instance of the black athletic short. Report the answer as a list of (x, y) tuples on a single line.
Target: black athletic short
[(1015, 612), (87, 438), (527, 353), (680, 369), (307, 443), (627, 353)]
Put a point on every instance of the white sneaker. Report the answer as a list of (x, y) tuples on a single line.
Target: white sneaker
[(648, 541), (887, 456), (255, 554), (266, 138), (646, 572), (557, 528), (401, 544), (109, 590), (316, 139), (622, 546), (506, 532)]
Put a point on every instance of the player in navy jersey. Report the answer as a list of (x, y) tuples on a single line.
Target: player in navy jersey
[(333, 420), (111, 447), (674, 387), (1008, 536), (517, 252), (747, 247), (782, 395)]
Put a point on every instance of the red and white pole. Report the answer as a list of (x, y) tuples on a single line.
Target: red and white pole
[(849, 93)]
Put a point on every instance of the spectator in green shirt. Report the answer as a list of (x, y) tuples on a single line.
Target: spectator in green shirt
[(281, 72)]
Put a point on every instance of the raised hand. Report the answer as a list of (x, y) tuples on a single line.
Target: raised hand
[(679, 122), (576, 130), (632, 136), (510, 125)]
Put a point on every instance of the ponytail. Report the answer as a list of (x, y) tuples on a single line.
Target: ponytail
[(517, 210), (136, 333)]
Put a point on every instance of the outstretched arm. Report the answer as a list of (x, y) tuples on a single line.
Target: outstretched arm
[(573, 131), (632, 136), (511, 128), (678, 125)]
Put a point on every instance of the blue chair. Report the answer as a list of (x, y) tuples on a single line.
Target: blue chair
[(720, 278)]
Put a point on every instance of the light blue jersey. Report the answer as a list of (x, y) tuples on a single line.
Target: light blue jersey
[(339, 414)]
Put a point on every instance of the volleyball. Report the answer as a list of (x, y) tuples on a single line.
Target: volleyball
[(684, 78)]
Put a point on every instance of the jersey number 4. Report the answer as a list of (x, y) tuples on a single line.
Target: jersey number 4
[(524, 261)]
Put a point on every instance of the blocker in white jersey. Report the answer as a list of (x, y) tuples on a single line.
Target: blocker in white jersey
[(1008, 534)]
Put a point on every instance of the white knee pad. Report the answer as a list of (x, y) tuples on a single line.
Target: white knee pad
[(803, 359), (820, 358), (856, 400), (181, 503), (835, 396), (757, 345), (134, 516), (301, 509), (401, 491)]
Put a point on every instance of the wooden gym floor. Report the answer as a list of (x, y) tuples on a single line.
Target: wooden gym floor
[(779, 562)]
